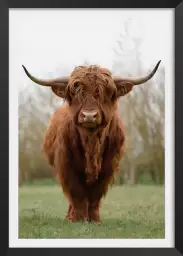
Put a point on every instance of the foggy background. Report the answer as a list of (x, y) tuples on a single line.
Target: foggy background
[(128, 42)]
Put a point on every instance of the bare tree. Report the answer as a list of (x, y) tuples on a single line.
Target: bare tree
[(143, 113)]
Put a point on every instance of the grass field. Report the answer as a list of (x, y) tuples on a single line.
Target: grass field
[(126, 212)]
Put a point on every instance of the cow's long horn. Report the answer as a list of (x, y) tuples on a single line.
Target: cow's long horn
[(60, 82), (139, 80)]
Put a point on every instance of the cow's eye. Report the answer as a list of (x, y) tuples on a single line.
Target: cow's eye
[(76, 85), (113, 96)]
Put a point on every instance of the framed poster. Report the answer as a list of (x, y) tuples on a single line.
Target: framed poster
[(50, 39)]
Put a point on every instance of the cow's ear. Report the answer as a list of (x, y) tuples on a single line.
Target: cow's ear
[(59, 91), (123, 88)]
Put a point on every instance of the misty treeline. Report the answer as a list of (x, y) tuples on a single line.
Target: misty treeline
[(142, 111)]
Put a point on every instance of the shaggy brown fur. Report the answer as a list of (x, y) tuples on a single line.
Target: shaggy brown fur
[(70, 154), (85, 138), (85, 161)]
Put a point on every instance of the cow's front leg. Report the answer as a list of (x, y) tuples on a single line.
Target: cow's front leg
[(94, 212), (69, 212), (78, 211), (96, 192)]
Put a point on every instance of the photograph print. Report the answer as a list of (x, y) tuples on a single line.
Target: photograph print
[(92, 94)]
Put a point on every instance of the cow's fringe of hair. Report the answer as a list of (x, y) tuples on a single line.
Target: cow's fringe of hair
[(81, 74)]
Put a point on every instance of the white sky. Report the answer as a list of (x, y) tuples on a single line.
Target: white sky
[(44, 40)]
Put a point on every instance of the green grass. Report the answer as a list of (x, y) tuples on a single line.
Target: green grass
[(126, 212)]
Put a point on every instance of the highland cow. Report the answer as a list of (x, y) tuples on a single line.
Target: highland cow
[(85, 139)]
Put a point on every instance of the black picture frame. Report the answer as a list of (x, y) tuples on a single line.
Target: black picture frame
[(4, 124)]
